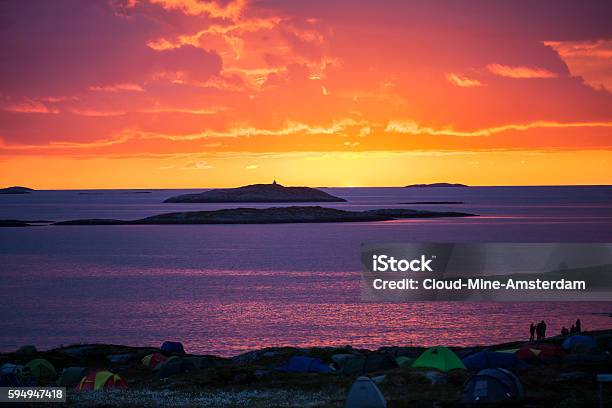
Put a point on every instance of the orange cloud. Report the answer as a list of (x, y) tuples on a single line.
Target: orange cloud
[(462, 81), (292, 128), (520, 71), (197, 165), (30, 106), (96, 113), (232, 10), (119, 139), (117, 88), (416, 129)]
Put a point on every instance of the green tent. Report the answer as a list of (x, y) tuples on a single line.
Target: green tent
[(440, 358), (71, 376), (41, 369)]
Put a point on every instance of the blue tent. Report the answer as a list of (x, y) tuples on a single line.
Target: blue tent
[(492, 385), (492, 359), (302, 364), (173, 347), (570, 342)]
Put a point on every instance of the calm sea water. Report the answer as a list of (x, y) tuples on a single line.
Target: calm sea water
[(225, 289)]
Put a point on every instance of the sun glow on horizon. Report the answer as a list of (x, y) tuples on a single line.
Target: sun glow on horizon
[(188, 93)]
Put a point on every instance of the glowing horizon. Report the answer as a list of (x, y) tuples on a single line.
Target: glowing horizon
[(188, 94)]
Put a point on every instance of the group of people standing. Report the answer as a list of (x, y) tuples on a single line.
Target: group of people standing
[(538, 331), (575, 329)]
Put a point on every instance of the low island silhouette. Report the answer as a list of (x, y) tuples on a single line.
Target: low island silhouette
[(258, 193), (273, 215), (16, 190), (437, 185)]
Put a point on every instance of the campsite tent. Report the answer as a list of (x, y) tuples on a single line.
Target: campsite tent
[(440, 358), (571, 342), (10, 375), (303, 364), (173, 366), (98, 380), (492, 385), (364, 364), (41, 369), (173, 347), (71, 376), (365, 394), (491, 359), (527, 353), (8, 368), (550, 351), (153, 360)]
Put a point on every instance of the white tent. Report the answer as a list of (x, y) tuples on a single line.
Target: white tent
[(365, 394)]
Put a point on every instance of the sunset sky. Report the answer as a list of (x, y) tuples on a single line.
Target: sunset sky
[(188, 93)]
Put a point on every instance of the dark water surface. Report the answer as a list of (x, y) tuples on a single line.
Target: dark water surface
[(225, 289)]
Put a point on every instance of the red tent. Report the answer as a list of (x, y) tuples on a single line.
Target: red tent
[(550, 351), (527, 353)]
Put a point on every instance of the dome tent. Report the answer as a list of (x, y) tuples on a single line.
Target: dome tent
[(492, 385), (71, 376), (441, 358), (173, 347), (11, 375), (98, 380), (491, 359), (303, 364), (573, 341), (153, 360), (527, 353), (365, 394), (41, 369)]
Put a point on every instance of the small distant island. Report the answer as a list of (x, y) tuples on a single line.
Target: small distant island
[(16, 190), (437, 185), (433, 202), (274, 215), (258, 193)]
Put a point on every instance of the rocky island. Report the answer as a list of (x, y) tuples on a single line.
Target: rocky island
[(15, 190), (274, 215), (258, 193), (437, 185)]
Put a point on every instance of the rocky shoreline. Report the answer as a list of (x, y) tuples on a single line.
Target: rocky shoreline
[(253, 379)]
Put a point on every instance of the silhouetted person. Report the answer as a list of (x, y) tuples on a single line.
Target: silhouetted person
[(543, 329), (564, 331), (538, 331), (573, 329), (578, 326), (532, 330)]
